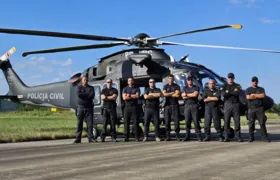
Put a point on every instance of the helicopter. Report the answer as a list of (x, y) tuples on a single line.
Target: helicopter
[(142, 63)]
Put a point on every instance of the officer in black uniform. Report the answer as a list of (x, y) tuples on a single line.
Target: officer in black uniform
[(255, 96), (130, 95), (211, 97), (85, 95), (109, 96), (231, 92), (171, 92), (152, 95), (190, 95)]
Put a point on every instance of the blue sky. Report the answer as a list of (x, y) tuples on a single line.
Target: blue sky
[(260, 20)]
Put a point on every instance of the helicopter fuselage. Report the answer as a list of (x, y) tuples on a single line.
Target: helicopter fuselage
[(141, 64)]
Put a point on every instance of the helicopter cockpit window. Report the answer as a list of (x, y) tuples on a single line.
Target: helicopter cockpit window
[(205, 76), (181, 80)]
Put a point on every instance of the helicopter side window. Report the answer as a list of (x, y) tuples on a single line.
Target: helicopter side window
[(97, 99), (114, 85)]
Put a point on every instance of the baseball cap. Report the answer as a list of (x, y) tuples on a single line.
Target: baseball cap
[(230, 75), (255, 79), (190, 77)]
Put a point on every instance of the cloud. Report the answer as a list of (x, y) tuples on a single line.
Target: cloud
[(235, 2), (68, 62), (268, 21), (34, 60), (245, 3), (45, 69), (36, 76), (56, 79)]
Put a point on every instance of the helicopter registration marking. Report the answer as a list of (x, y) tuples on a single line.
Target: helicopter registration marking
[(45, 96)]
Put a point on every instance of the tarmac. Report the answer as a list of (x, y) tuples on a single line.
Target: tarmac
[(60, 159)]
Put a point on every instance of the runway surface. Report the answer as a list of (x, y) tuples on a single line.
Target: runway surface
[(143, 160)]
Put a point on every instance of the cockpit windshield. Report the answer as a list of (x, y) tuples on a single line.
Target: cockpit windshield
[(201, 79), (181, 80), (205, 75)]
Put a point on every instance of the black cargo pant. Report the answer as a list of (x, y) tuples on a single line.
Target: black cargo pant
[(232, 110), (151, 113), (109, 116), (253, 114), (171, 112), (191, 113), (131, 114), (212, 112), (87, 115)]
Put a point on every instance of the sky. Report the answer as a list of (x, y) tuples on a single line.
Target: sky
[(260, 20)]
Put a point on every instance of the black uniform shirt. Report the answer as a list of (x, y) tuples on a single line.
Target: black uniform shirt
[(85, 96), (208, 93), (189, 90), (152, 103), (109, 92), (255, 102), (132, 91), (171, 88), (230, 94)]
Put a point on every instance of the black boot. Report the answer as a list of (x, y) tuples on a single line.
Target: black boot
[(177, 136), (221, 138), (207, 138), (251, 138), (199, 138), (167, 137), (226, 139), (188, 136), (145, 139), (238, 139), (264, 138), (102, 138)]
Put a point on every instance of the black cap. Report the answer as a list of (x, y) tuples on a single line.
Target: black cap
[(190, 77), (230, 75), (255, 78)]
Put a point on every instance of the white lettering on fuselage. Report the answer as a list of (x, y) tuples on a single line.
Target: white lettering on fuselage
[(126, 54), (45, 96)]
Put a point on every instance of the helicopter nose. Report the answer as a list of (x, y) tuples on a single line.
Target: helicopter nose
[(268, 102)]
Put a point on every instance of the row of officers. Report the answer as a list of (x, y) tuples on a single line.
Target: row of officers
[(171, 91)]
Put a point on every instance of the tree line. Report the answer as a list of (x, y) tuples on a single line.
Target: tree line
[(275, 108)]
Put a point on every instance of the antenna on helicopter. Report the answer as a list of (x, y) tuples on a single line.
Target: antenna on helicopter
[(172, 59), (184, 59)]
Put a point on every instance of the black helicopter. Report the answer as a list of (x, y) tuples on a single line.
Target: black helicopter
[(144, 62)]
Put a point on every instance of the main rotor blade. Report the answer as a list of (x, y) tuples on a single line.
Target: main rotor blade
[(61, 35), (75, 48), (220, 47), (236, 26)]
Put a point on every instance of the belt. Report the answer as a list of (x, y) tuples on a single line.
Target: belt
[(232, 101), (255, 106), (151, 106)]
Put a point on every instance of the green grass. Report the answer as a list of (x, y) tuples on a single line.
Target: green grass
[(45, 125)]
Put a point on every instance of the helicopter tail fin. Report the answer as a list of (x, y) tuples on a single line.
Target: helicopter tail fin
[(15, 83)]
